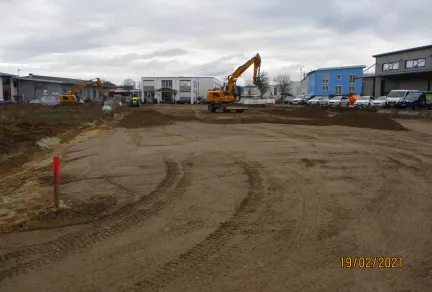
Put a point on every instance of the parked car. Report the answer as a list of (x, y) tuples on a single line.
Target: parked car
[(306, 98), (416, 100), (182, 100), (324, 101), (2, 101), (395, 96), (363, 102), (288, 100), (379, 102), (316, 100), (203, 101), (339, 101), (298, 99)]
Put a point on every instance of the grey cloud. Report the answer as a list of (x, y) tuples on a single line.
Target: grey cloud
[(109, 37)]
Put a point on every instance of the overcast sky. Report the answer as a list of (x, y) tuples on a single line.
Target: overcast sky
[(115, 39)]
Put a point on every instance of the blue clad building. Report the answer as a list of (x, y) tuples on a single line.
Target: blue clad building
[(336, 81)]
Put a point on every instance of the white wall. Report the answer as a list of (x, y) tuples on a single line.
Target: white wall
[(304, 85), (208, 83), (157, 83)]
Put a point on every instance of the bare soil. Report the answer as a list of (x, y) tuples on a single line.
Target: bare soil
[(178, 199)]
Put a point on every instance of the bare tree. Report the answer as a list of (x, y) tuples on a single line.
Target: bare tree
[(263, 83), (128, 83), (283, 83)]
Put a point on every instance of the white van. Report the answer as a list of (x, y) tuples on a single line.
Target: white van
[(395, 96)]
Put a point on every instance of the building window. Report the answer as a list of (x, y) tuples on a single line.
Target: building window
[(167, 83), (351, 89), (325, 79), (275, 91), (352, 79), (339, 77), (390, 66), (185, 83), (338, 89), (325, 88), (415, 63), (185, 94)]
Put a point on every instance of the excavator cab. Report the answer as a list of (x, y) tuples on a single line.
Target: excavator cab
[(68, 99)]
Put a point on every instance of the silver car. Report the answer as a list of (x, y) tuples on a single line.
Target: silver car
[(364, 101), (379, 102), (318, 100), (339, 101), (298, 99), (314, 101), (323, 101)]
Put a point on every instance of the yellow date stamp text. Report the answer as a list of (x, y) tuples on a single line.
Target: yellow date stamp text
[(371, 262)]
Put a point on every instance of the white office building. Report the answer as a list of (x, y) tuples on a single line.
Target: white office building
[(170, 89)]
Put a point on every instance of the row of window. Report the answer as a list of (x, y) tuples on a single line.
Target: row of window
[(169, 83), (352, 78), (416, 63), (339, 89)]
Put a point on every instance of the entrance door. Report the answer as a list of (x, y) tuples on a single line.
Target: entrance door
[(166, 97)]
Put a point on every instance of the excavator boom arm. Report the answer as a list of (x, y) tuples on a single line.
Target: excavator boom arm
[(98, 83), (256, 61)]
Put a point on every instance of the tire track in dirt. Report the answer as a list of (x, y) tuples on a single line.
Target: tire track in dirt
[(371, 240), (195, 256), (176, 181)]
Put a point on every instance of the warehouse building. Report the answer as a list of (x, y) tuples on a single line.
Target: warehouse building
[(35, 86), (170, 89), (404, 69)]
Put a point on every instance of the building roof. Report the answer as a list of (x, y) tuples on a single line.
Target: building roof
[(59, 80), (338, 68), (404, 51), (39, 80), (7, 74)]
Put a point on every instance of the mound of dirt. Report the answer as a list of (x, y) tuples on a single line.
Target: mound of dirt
[(145, 118), (365, 119), (14, 136), (309, 112)]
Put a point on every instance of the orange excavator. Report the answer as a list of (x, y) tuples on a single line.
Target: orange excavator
[(226, 101), (70, 98)]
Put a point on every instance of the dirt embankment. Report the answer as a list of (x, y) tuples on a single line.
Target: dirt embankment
[(21, 126), (151, 116)]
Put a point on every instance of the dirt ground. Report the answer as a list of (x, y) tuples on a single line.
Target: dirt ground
[(178, 199)]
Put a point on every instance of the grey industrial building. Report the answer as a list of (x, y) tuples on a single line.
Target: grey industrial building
[(404, 69), (35, 86)]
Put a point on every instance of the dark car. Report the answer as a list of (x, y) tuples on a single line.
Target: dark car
[(203, 101), (416, 100), (182, 100), (306, 98)]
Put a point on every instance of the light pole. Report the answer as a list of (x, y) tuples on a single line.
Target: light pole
[(301, 78), (19, 87)]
